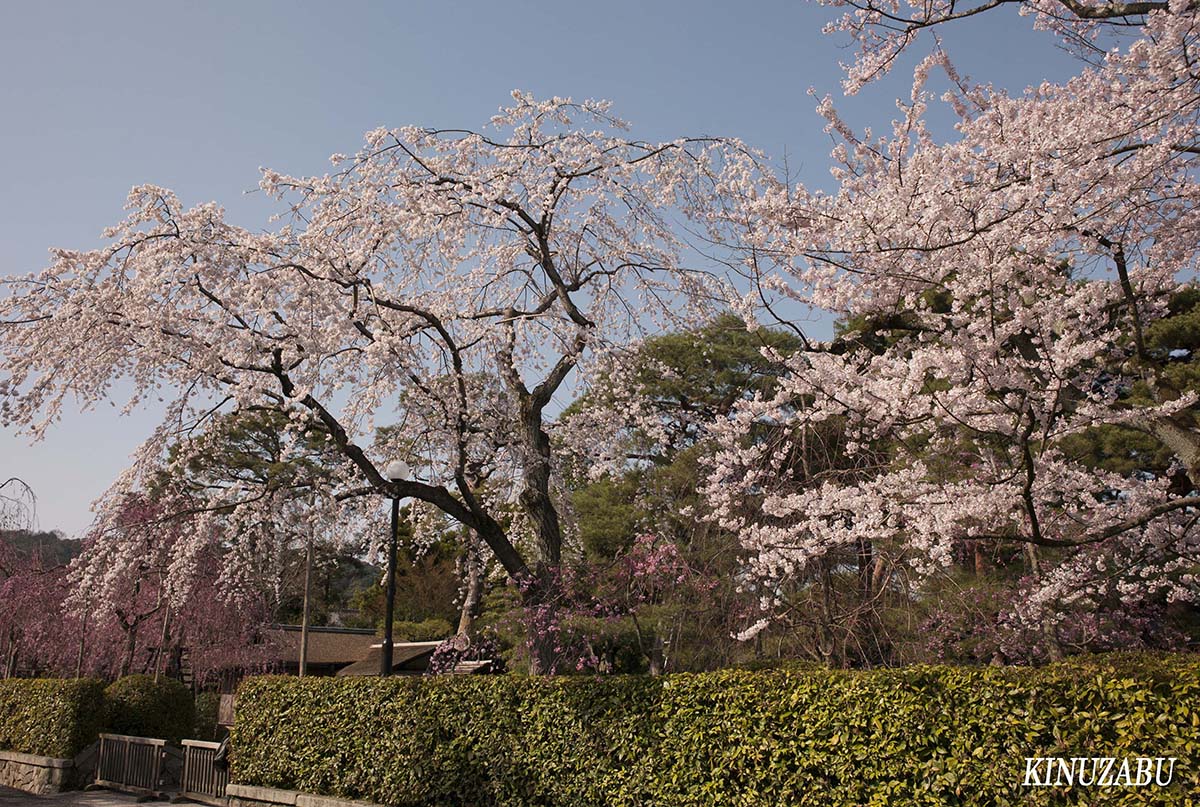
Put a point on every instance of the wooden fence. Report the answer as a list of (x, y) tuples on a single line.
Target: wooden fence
[(131, 763), (202, 780)]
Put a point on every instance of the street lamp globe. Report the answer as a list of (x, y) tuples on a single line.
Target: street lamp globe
[(398, 471)]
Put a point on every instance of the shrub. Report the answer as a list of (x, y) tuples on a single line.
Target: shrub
[(795, 736), (208, 704), (143, 707), (49, 716), (429, 630)]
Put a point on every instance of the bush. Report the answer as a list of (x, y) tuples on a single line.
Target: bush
[(50, 717), (429, 630), (916, 736), (143, 707), (208, 704)]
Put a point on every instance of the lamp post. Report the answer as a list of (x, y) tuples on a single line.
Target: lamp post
[(397, 471)]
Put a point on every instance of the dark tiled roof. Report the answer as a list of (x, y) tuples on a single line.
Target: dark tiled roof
[(325, 645)]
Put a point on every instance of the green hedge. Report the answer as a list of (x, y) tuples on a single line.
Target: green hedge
[(915, 736), (143, 707), (49, 716)]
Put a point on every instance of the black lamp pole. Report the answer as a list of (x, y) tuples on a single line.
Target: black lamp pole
[(385, 663), (397, 472)]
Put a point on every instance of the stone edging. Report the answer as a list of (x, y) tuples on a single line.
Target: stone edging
[(254, 796), (35, 774), (34, 759)]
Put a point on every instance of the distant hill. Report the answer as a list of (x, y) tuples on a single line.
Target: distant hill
[(54, 548)]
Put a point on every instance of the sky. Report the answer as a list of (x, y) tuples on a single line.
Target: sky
[(98, 97)]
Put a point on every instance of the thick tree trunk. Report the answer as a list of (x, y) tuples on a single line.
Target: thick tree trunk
[(541, 605), (1184, 442), (537, 471), (541, 597), (535, 496), (130, 649), (827, 644), (472, 562)]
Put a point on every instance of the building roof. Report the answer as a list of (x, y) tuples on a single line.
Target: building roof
[(325, 645)]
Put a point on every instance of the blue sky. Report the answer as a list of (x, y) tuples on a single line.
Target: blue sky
[(97, 97)]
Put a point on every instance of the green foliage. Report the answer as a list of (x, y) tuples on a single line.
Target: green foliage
[(448, 740), (140, 706), (795, 736), (427, 582), (691, 378), (50, 547), (250, 447), (338, 577), (607, 515), (51, 717), (58, 717), (208, 705), (427, 630), (712, 367), (1125, 449), (1119, 449)]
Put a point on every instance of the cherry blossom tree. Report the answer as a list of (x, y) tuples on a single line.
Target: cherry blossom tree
[(33, 635), (17, 504), (211, 635), (641, 440), (622, 614), (133, 611), (1001, 292), (449, 281), (31, 589)]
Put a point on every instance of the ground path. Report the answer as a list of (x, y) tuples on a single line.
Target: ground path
[(73, 798)]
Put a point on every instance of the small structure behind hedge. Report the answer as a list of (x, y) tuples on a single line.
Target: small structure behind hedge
[(916, 736)]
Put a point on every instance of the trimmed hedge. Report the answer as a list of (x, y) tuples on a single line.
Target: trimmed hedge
[(914, 736), (143, 707), (51, 717)]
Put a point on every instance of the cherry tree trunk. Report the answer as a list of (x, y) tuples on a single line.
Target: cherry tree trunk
[(473, 574), (541, 606), (130, 650)]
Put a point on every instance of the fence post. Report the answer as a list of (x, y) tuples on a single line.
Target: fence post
[(201, 780), (127, 756), (131, 763)]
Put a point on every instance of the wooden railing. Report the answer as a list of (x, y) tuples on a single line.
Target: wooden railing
[(131, 763), (202, 780)]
